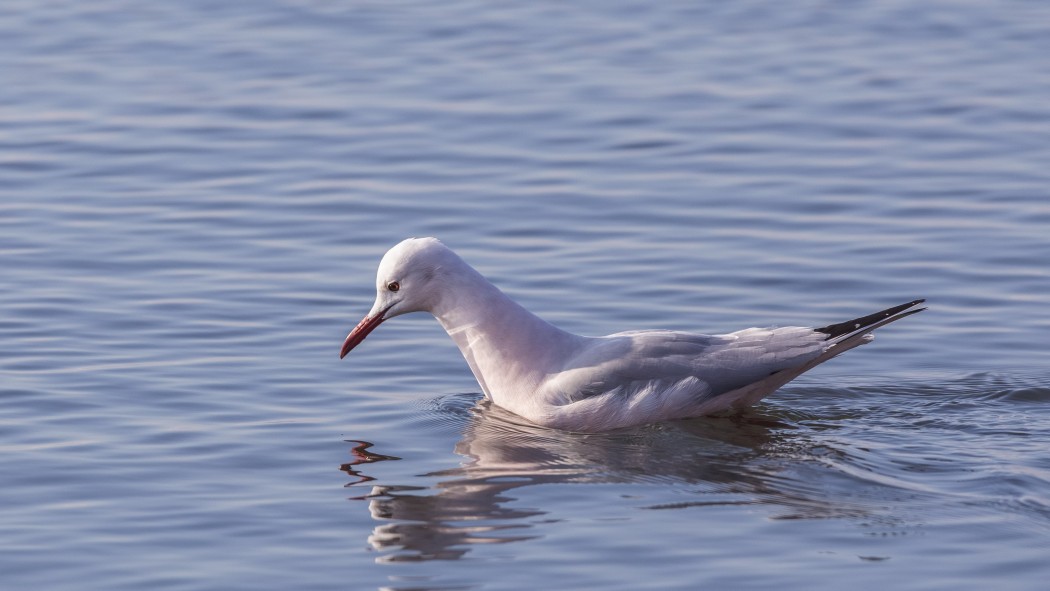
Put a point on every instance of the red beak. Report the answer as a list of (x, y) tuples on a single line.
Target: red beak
[(367, 325)]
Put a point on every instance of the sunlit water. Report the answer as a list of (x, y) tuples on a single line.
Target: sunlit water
[(193, 200)]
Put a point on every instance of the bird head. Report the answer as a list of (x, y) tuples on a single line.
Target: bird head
[(407, 281)]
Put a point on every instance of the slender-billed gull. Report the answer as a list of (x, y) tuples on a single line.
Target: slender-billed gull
[(562, 380)]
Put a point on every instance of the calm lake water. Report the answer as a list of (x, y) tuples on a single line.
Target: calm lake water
[(194, 198)]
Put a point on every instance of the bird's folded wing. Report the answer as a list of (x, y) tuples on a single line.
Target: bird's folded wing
[(684, 365)]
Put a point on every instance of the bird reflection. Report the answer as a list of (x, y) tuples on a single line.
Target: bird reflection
[(729, 460), (361, 455)]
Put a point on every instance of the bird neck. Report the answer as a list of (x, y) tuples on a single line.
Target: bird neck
[(509, 349)]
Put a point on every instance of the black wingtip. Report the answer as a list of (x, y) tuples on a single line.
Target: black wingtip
[(844, 328)]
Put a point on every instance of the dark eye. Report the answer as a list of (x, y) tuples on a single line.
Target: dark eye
[(393, 286)]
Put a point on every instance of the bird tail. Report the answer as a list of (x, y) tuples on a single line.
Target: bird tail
[(870, 322), (843, 336)]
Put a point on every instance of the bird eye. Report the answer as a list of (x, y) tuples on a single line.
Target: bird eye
[(393, 286)]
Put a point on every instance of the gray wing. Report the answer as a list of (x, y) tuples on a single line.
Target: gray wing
[(685, 364), (632, 378)]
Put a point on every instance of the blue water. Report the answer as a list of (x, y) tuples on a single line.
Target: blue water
[(194, 197)]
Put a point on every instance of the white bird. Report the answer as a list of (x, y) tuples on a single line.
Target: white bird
[(561, 380)]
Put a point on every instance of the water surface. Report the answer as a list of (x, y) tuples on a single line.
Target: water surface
[(193, 200)]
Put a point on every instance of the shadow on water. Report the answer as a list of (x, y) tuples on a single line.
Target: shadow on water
[(752, 459)]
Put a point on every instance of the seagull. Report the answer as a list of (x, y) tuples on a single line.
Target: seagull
[(565, 381)]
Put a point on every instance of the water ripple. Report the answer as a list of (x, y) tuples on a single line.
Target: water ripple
[(192, 210)]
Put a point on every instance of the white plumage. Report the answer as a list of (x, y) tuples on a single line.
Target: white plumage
[(558, 379)]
